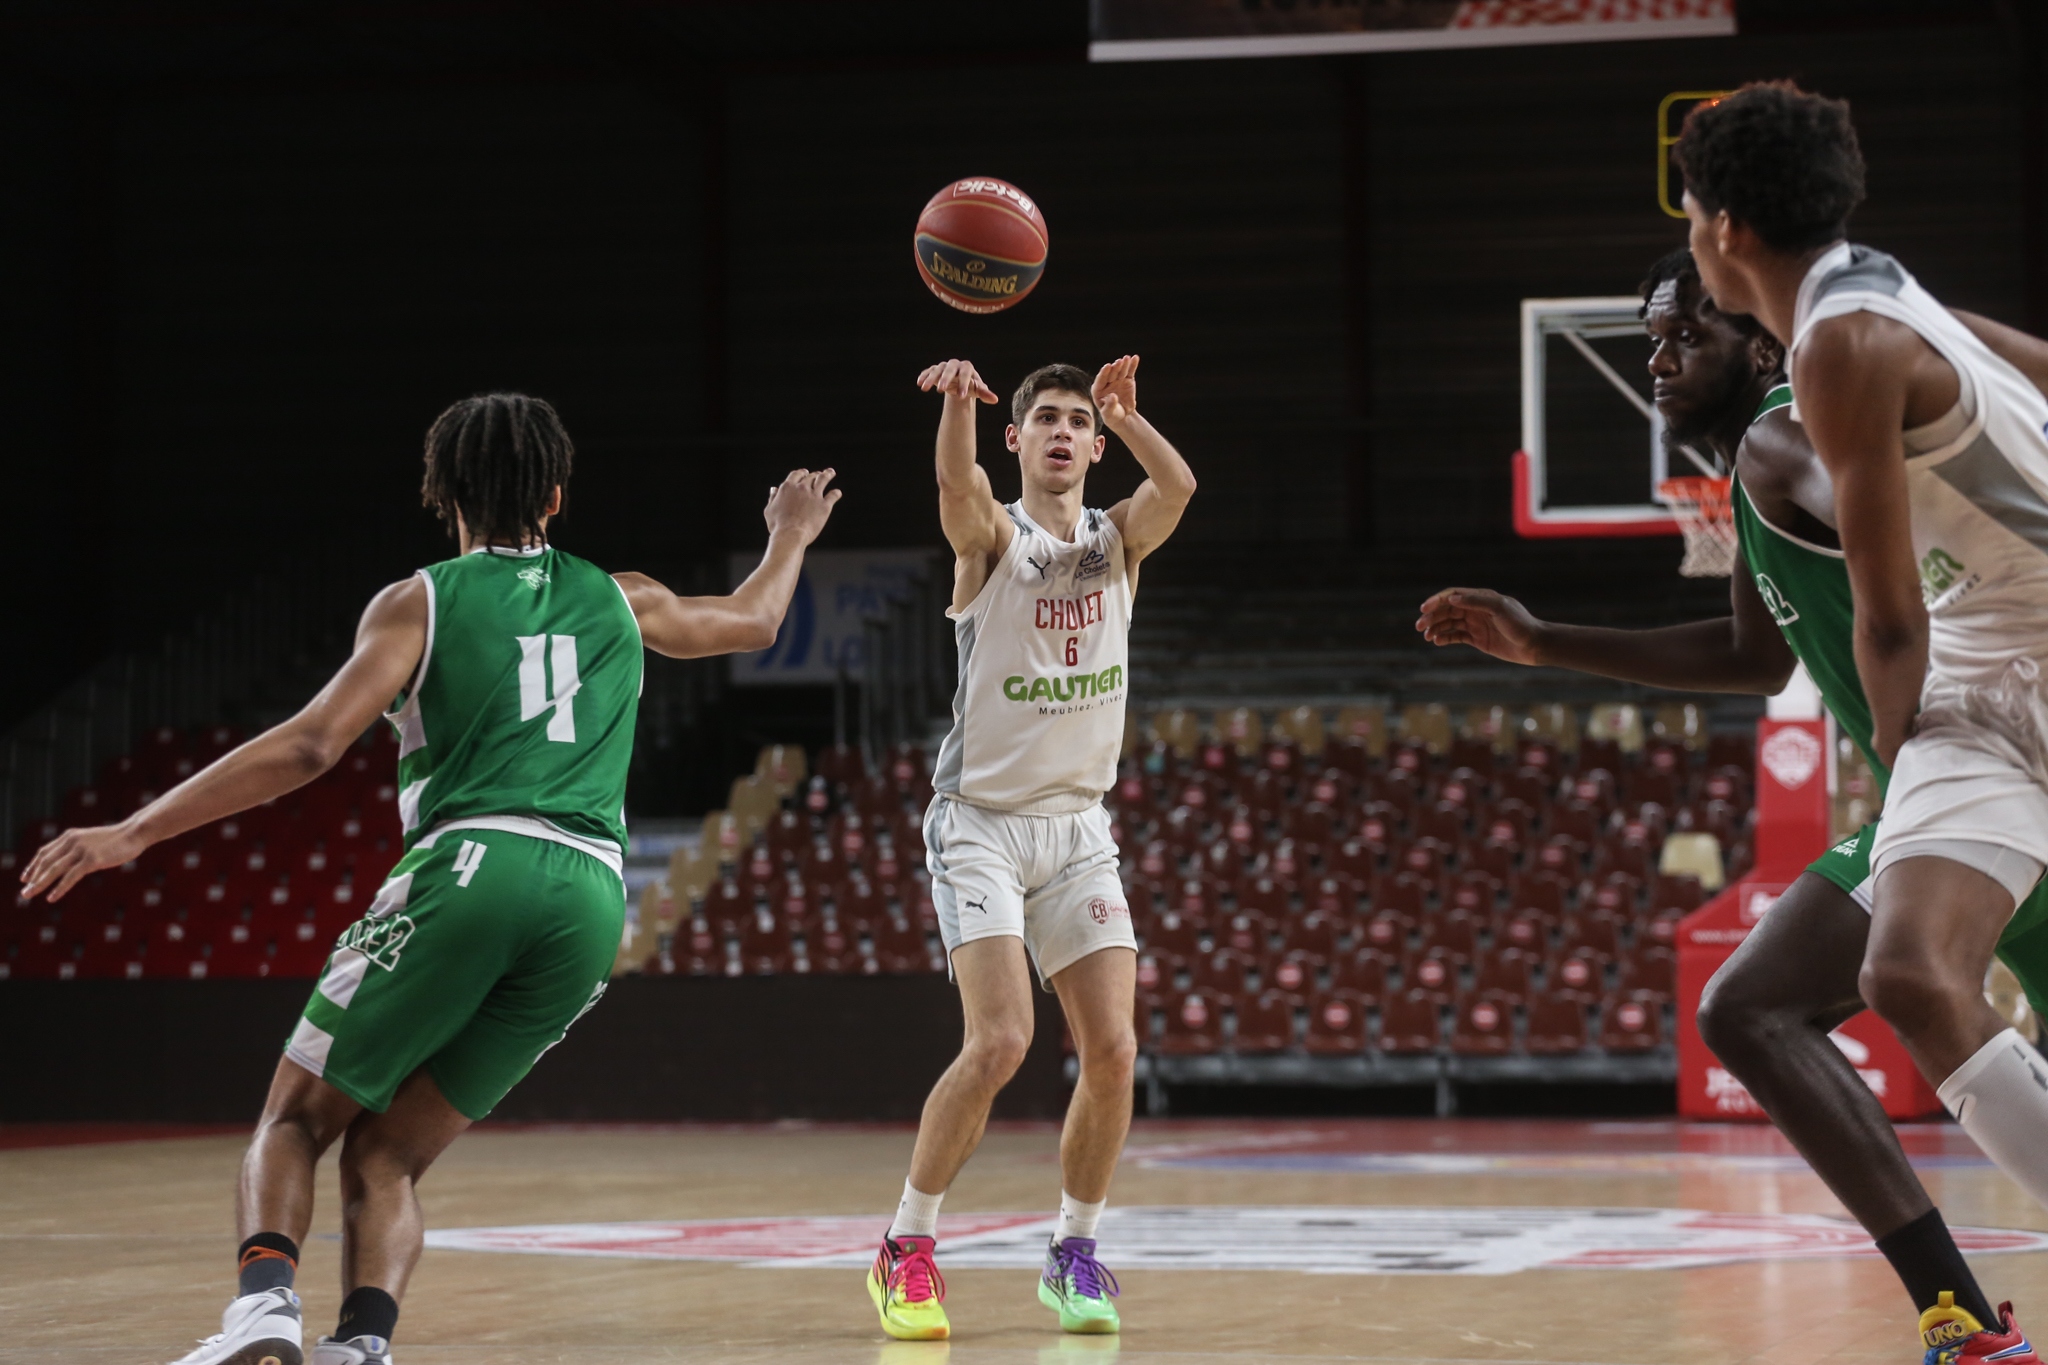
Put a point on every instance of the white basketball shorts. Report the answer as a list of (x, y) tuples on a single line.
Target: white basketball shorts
[(1050, 880), (1961, 791)]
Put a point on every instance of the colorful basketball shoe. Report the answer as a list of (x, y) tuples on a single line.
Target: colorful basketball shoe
[(907, 1289), (257, 1329), (1078, 1287), (1953, 1336)]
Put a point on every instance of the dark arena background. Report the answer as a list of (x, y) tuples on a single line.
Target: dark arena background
[(1422, 934)]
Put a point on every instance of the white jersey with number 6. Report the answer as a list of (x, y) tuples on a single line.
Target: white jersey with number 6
[(1038, 719)]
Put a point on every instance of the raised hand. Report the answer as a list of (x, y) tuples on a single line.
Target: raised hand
[(956, 379), (1116, 390), (77, 853), (801, 503), (1486, 620)]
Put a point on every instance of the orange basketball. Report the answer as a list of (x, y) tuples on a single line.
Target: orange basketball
[(981, 244)]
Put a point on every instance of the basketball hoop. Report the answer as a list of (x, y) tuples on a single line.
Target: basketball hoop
[(1706, 518)]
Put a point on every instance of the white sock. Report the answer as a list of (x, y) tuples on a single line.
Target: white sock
[(917, 1215), (1077, 1218), (2000, 1097)]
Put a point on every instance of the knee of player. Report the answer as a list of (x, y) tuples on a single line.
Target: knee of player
[(1732, 1017), (997, 1051), (1905, 993), (1110, 1060), (368, 1160)]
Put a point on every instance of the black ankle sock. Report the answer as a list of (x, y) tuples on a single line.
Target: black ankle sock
[(367, 1312), (1925, 1257), (268, 1260)]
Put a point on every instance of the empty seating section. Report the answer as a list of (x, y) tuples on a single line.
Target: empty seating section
[(262, 894), (808, 869), (1470, 882), (1308, 881)]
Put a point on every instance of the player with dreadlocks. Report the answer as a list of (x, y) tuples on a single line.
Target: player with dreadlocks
[(516, 671)]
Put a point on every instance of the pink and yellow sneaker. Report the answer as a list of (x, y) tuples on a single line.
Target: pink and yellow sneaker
[(908, 1290), (1953, 1336)]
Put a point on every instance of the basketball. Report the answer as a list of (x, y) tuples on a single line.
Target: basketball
[(981, 244)]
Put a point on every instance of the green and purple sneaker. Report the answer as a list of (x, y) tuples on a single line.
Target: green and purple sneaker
[(1079, 1287)]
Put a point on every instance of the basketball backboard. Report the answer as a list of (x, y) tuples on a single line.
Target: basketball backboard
[(1563, 365)]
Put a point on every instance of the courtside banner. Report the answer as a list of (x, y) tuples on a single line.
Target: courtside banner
[(838, 592), (1190, 30)]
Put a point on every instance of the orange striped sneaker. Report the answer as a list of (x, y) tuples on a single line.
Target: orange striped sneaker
[(908, 1290)]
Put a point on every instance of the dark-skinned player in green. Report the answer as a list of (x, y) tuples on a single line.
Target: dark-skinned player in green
[(1718, 380)]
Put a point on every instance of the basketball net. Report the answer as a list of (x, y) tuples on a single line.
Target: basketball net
[(1706, 518)]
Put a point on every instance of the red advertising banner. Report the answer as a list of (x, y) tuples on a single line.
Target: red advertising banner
[(1183, 30)]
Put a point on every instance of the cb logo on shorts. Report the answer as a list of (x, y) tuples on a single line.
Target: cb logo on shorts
[(1100, 910)]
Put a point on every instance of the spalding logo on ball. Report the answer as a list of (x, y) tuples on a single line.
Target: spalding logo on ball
[(981, 244)]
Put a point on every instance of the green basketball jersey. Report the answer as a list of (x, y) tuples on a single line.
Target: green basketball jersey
[(1806, 588), (524, 702)]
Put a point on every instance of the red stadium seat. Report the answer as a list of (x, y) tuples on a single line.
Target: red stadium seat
[(1147, 1011), (1316, 934), (1158, 971), (1193, 1023), (1358, 857), (1336, 897), (1527, 930), (1649, 974), (1173, 932), (1504, 972), (1574, 977), (1264, 1025), (1246, 933), (1223, 972), (1401, 893), (1363, 973), (1410, 1024), (1680, 892), (1484, 1026), (1629, 1025), (1473, 893), (1543, 892), (1556, 1026), (1432, 975), (1450, 935), (1388, 932), (1592, 934), (1295, 974), (1264, 896), (1337, 1020)]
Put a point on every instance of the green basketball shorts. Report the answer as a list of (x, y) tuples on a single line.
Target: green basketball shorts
[(2023, 946), (475, 957)]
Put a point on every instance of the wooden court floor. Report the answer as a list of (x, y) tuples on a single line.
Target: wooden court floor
[(1537, 1242)]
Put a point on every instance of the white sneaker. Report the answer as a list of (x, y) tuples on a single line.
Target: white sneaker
[(354, 1351), (257, 1329)]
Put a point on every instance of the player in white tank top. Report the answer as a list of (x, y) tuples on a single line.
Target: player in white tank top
[(1936, 449), (1024, 871)]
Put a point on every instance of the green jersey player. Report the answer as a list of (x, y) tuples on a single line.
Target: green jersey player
[(1718, 379), (516, 672)]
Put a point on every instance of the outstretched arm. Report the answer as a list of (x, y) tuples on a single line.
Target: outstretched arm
[(1148, 516), (1740, 652), (968, 511), (1852, 377), (389, 642), (747, 618)]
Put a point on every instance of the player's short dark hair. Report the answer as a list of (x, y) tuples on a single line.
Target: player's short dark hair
[(1778, 158), (1067, 378), (1678, 267), (498, 458)]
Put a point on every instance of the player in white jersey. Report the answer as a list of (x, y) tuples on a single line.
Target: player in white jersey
[(1939, 459), (1024, 872)]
